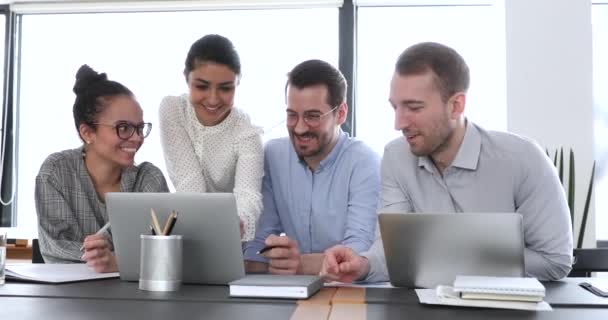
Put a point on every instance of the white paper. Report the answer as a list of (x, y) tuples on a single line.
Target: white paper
[(359, 285), (449, 298), (55, 273)]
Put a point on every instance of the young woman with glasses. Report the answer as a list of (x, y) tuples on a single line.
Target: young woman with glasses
[(209, 145), (71, 184)]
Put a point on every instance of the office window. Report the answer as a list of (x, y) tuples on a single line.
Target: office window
[(2, 39), (5, 215), (146, 52), (476, 32), (599, 20)]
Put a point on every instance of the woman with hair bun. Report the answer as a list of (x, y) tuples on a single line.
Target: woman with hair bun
[(209, 145), (71, 184)]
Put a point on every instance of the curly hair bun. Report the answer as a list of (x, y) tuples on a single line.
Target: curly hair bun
[(86, 77)]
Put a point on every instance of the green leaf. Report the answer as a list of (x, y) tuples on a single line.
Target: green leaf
[(571, 188), (581, 234), (555, 158), (561, 165)]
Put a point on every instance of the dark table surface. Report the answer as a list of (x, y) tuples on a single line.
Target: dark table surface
[(563, 293), (113, 299)]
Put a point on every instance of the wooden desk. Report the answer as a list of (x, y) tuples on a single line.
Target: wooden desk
[(20, 253)]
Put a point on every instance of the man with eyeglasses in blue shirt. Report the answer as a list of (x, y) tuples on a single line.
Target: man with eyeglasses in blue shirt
[(320, 186)]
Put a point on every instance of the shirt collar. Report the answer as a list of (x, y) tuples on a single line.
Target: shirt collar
[(333, 154), (468, 153)]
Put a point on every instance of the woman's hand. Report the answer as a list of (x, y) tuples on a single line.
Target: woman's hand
[(242, 225), (97, 254)]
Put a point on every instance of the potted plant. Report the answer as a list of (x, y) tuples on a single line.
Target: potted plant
[(570, 189), (585, 260)]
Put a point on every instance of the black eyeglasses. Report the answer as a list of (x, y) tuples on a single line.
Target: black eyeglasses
[(125, 129), (311, 118)]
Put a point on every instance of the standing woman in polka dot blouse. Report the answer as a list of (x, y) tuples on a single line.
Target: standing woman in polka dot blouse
[(209, 145)]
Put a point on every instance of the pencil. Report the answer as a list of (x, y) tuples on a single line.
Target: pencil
[(155, 223), (100, 231)]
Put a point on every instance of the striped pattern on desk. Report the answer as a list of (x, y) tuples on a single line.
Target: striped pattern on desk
[(346, 303)]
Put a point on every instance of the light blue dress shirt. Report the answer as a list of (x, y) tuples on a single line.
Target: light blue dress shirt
[(492, 172), (335, 204)]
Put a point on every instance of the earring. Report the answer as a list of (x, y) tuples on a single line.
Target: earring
[(88, 142)]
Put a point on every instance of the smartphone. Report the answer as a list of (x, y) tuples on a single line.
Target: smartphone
[(595, 290)]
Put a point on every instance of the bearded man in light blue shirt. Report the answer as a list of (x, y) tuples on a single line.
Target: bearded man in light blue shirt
[(446, 163), (320, 186)]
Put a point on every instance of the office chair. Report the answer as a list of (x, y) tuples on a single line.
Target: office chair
[(587, 261), (36, 255)]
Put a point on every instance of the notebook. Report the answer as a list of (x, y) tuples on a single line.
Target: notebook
[(54, 273), (499, 288), (445, 296), (276, 286)]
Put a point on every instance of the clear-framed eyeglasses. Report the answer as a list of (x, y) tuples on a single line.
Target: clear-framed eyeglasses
[(126, 129), (311, 118)]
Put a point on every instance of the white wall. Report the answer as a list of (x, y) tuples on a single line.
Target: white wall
[(549, 81)]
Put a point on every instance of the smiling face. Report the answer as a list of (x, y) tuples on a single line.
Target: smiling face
[(103, 139), (212, 87), (313, 143), (426, 121)]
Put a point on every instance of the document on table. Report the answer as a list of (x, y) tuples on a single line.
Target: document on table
[(444, 295), (54, 273)]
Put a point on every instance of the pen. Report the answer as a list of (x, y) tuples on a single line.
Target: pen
[(171, 223), (100, 231), (270, 247)]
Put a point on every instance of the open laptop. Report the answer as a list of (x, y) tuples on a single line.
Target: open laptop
[(425, 250), (208, 223)]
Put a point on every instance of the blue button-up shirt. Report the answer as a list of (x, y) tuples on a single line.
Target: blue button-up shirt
[(335, 204)]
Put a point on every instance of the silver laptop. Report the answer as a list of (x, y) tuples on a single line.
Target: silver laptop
[(424, 250), (208, 223)]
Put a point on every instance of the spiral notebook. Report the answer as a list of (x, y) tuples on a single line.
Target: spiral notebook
[(499, 288), (445, 296)]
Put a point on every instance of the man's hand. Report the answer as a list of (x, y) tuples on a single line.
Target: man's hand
[(284, 257), (97, 254), (343, 264)]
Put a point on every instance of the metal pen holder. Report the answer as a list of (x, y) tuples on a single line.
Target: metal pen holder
[(160, 266)]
